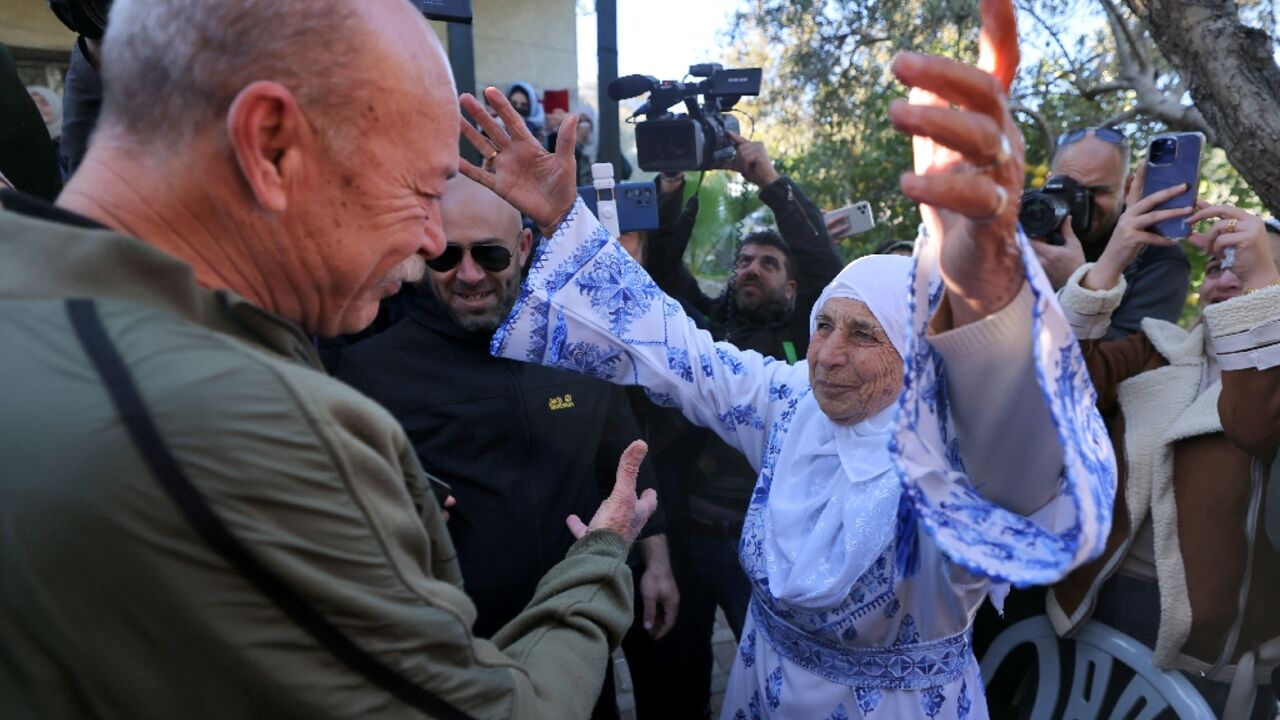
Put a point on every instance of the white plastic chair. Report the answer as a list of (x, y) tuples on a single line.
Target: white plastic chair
[(1097, 648)]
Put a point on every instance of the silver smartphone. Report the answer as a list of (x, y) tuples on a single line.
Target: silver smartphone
[(858, 215)]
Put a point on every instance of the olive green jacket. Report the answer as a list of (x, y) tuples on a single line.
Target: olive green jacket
[(112, 607)]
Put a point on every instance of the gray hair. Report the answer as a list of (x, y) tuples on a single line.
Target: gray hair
[(171, 68)]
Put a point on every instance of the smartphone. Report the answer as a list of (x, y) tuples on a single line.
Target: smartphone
[(637, 204), (858, 214), (1174, 159)]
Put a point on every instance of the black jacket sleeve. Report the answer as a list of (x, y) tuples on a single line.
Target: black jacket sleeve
[(664, 256), (800, 223), (1158, 282), (621, 429)]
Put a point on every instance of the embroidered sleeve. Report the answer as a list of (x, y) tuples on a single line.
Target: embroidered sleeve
[(586, 306), (971, 530)]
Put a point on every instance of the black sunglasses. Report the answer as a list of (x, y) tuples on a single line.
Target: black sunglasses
[(1105, 134), (493, 258)]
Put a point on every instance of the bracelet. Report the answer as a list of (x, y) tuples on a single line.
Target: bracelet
[(1271, 284)]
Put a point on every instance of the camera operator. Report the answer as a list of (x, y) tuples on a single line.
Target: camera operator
[(1158, 275), (777, 278)]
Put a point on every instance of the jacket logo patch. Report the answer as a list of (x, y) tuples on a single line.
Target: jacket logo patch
[(563, 402)]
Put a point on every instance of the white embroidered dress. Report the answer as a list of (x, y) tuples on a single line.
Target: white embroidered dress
[(891, 641)]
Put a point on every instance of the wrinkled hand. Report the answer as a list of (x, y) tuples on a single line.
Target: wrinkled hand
[(1131, 232), (540, 184), (658, 589), (622, 512), (1059, 261), (1254, 263), (752, 161), (967, 188)]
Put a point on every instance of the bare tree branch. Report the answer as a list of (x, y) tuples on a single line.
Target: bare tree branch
[(1120, 117), (1117, 23), (1104, 88), (1050, 136)]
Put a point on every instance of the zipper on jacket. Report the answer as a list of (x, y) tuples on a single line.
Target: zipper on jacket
[(791, 199)]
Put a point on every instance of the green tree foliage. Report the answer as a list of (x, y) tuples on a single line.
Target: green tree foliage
[(823, 109)]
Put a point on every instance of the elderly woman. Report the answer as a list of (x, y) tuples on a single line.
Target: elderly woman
[(892, 497)]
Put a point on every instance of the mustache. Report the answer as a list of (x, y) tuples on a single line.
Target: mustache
[(410, 270)]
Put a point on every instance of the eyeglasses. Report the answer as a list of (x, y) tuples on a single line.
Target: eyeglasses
[(1105, 134), (493, 258)]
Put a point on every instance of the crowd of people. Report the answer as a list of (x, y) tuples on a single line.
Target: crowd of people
[(308, 417)]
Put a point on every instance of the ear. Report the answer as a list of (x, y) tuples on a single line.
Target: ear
[(790, 290), (268, 134), (525, 243)]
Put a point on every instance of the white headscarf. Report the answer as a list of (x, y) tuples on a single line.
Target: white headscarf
[(53, 124), (833, 499), (537, 117)]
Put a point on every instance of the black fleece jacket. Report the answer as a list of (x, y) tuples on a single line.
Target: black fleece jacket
[(523, 446)]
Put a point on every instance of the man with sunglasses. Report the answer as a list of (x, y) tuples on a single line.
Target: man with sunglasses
[(519, 445), (1157, 277)]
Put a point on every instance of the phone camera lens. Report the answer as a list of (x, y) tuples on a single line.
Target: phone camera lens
[(1164, 150)]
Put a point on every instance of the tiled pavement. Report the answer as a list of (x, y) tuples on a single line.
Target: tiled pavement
[(723, 649)]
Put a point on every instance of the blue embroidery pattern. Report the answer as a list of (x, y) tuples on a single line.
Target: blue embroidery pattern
[(931, 700), (728, 360), (773, 688), (754, 705), (907, 632), (589, 359), (973, 532), (739, 415), (907, 667), (868, 699), (839, 713), (707, 369), (747, 649), (613, 288), (662, 399), (678, 360), (963, 705)]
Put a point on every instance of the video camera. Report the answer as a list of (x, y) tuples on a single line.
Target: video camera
[(1041, 212), (699, 140)]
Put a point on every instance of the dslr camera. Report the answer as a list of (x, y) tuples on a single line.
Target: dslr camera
[(699, 138), (1041, 212)]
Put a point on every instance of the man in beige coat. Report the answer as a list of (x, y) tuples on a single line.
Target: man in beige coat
[(194, 520)]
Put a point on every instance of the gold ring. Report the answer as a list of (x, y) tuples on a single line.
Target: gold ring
[(1004, 200), (1231, 225)]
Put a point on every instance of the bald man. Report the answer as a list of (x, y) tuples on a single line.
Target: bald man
[(1157, 277), (195, 521), (517, 443)]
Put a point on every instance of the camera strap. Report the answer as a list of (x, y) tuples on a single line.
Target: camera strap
[(173, 479)]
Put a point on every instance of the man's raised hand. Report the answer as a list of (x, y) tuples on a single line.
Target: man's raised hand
[(622, 512), (540, 184), (969, 163)]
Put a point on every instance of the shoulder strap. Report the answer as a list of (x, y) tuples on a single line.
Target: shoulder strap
[(166, 469)]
